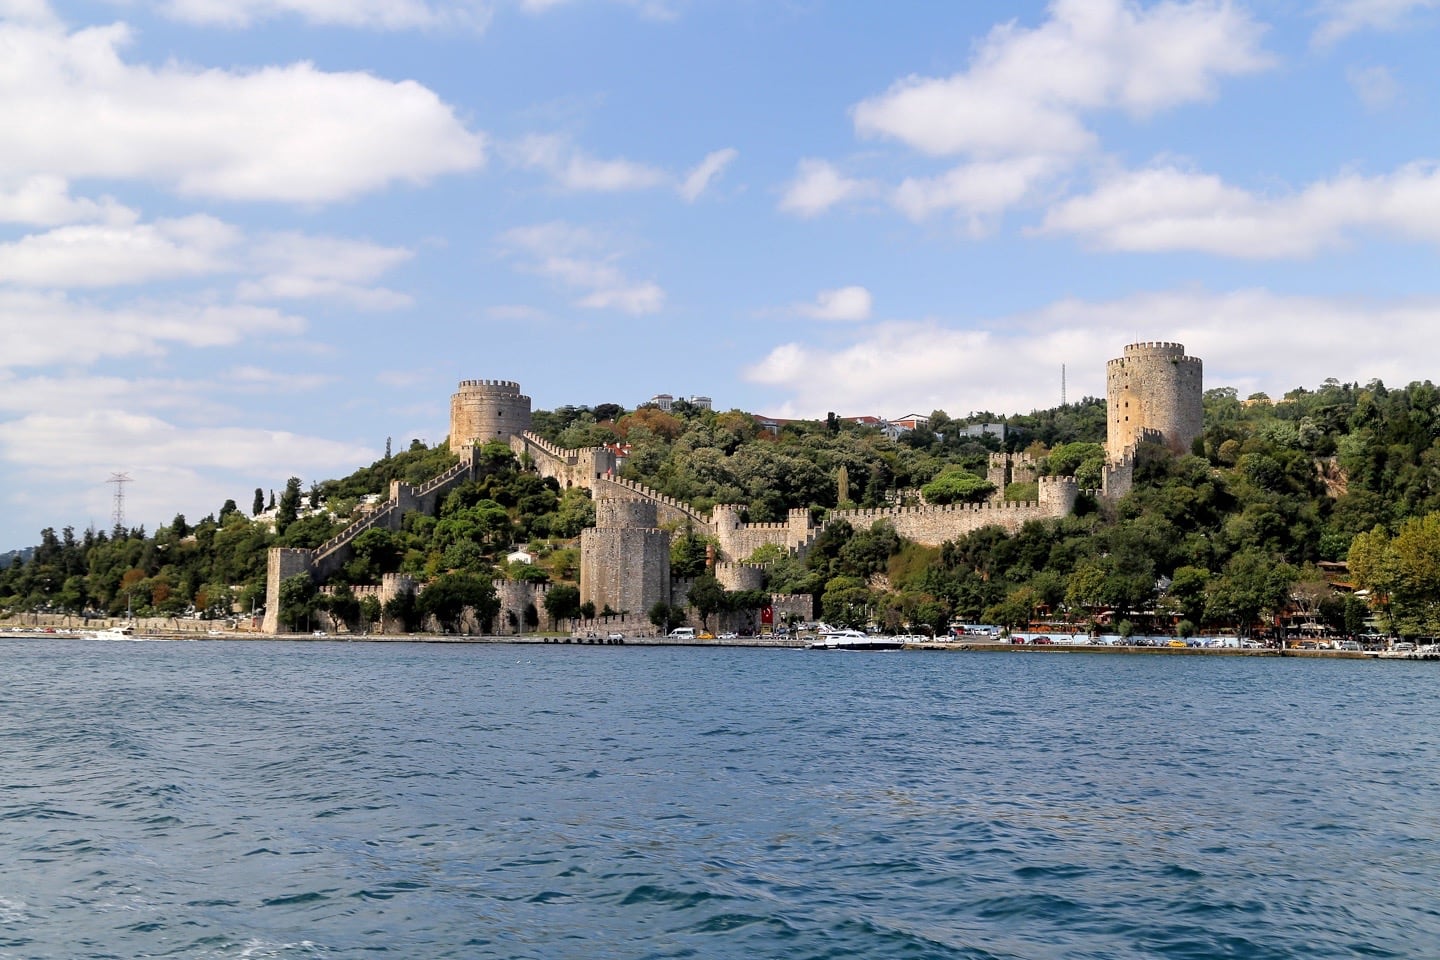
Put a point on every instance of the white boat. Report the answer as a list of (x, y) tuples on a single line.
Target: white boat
[(1408, 651), (854, 640), (111, 633)]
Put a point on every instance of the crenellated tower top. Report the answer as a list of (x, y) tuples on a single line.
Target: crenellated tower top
[(482, 410)]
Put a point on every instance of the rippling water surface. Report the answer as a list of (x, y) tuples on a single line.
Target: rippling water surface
[(220, 799)]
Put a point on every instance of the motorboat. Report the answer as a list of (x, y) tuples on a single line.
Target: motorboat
[(112, 633), (855, 640)]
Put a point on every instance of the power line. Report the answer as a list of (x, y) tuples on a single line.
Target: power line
[(118, 514)]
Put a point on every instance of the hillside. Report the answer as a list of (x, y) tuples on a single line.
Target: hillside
[(1228, 534)]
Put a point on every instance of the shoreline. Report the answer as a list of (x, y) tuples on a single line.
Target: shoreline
[(750, 643)]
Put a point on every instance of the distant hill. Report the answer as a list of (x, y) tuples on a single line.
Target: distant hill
[(8, 557)]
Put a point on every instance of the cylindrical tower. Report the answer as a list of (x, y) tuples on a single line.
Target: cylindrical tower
[(1153, 392), (484, 410)]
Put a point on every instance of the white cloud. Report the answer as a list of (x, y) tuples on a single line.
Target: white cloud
[(191, 469), (818, 186), (34, 12), (580, 259), (102, 256), (71, 107), (698, 180), (1344, 17), (45, 201), (574, 170), (846, 303), (1375, 86), (299, 266), (367, 14), (1170, 209), (973, 190), (649, 9), (186, 449), (932, 365), (252, 379), (38, 329), (1026, 88)]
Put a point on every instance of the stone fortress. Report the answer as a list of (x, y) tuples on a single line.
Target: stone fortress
[(1153, 395)]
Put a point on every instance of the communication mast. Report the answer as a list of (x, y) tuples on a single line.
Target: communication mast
[(1062, 384), (118, 513)]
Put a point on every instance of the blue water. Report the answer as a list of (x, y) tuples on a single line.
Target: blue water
[(226, 799)]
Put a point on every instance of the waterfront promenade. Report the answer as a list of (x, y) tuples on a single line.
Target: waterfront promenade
[(199, 630)]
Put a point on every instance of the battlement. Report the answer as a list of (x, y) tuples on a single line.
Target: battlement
[(887, 513), (559, 453), (1155, 349), (644, 492), (509, 387)]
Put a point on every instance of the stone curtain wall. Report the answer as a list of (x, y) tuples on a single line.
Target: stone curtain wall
[(670, 512), (739, 540), (932, 526), (570, 468)]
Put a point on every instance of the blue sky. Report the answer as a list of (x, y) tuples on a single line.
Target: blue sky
[(247, 239)]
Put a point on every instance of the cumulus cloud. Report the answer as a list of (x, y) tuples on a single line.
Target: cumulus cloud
[(302, 266), (818, 186), (584, 261), (698, 180), (973, 190), (1026, 89), (1017, 114), (43, 328), (573, 169), (72, 107), (45, 201), (928, 365), (649, 9), (1340, 18), (176, 466), (366, 14), (104, 255), (846, 303), (1166, 208)]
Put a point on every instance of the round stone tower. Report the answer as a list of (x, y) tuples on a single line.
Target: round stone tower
[(1153, 393), (483, 410), (625, 559)]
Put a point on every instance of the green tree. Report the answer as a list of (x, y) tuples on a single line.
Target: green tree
[(707, 597), (369, 610), (847, 602), (562, 602), (1253, 583), (447, 598), (289, 509), (297, 600), (664, 616), (955, 485), (259, 506)]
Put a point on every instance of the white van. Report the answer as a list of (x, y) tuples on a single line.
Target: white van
[(682, 633)]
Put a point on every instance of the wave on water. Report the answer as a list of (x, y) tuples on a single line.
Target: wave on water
[(271, 800)]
